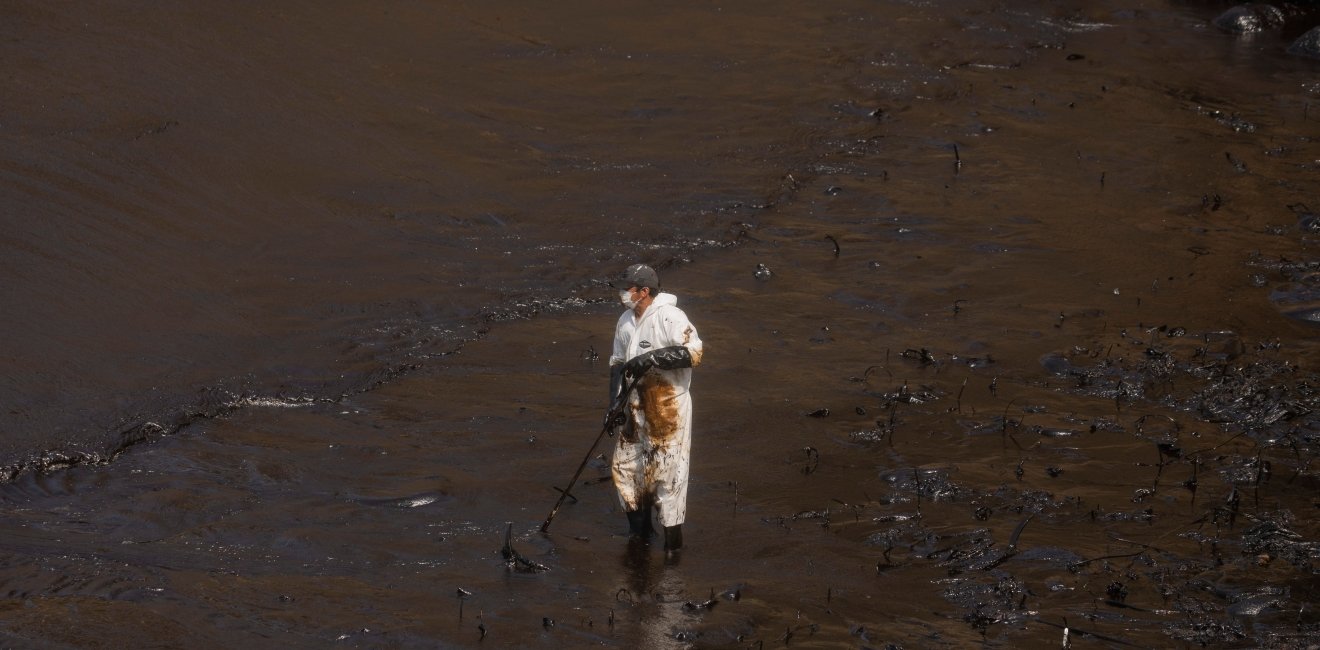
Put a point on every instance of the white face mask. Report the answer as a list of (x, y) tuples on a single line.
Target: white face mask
[(625, 297)]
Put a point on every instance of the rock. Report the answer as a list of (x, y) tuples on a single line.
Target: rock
[(1250, 19), (1307, 44)]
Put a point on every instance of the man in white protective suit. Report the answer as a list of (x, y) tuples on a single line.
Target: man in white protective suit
[(655, 346)]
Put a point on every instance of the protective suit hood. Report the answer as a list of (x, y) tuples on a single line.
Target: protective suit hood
[(663, 299)]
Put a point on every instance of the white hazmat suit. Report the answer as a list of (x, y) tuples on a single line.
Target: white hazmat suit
[(651, 469)]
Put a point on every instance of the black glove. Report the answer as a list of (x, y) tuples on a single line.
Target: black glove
[(616, 417), (616, 383), (668, 358)]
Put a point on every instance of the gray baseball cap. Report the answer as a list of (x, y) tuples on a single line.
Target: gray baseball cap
[(637, 275)]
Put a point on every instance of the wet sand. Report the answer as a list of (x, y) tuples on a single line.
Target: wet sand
[(308, 316)]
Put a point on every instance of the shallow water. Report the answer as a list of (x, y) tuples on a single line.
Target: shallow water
[(305, 313)]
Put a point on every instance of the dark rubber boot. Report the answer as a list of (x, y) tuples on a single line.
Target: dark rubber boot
[(673, 537), (639, 523)]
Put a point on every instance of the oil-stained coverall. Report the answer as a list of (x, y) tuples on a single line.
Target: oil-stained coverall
[(653, 452)]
